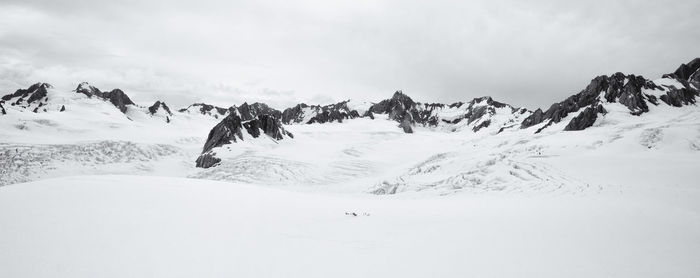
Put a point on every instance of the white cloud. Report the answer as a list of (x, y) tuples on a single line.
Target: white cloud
[(526, 53)]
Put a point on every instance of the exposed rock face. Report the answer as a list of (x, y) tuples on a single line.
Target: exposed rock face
[(246, 111), (249, 112), (401, 108), (629, 90), (406, 112), (483, 124), (117, 97), (626, 90), (679, 97), (207, 160), (334, 113), (480, 107), (294, 114), (88, 90), (269, 125), (475, 113), (309, 114), (231, 129), (224, 132), (153, 109), (206, 109), (687, 72), (536, 118), (688, 75), (34, 98), (34, 94), (586, 118)]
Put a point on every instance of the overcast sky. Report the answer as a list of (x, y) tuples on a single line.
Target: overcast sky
[(527, 53)]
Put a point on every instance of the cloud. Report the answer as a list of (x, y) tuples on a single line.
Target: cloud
[(525, 53)]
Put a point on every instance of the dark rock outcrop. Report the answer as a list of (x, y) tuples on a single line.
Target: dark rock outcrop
[(294, 114), (207, 160), (224, 132), (36, 93), (206, 109), (628, 90), (483, 124), (35, 98), (88, 90), (268, 125), (153, 109), (586, 118), (409, 113), (332, 115), (337, 112), (679, 97), (400, 108), (624, 89), (119, 99), (231, 129), (249, 112), (687, 73)]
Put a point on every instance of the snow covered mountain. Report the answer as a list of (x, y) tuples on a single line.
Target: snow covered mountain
[(234, 128), (476, 114), (35, 98), (636, 93), (481, 143)]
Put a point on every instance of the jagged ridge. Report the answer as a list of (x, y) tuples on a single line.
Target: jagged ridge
[(231, 129)]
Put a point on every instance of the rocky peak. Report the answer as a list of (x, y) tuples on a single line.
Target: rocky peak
[(34, 93), (206, 109), (153, 109), (408, 113), (309, 114), (231, 129), (119, 99), (34, 98), (687, 74), (685, 71), (621, 88), (88, 90), (628, 90), (400, 108), (250, 111), (488, 101)]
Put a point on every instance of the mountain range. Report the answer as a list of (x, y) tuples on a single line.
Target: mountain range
[(239, 134), (634, 92)]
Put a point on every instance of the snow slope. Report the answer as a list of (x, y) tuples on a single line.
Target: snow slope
[(92, 136), (130, 226), (373, 156)]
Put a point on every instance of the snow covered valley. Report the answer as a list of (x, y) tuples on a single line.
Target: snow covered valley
[(135, 226)]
